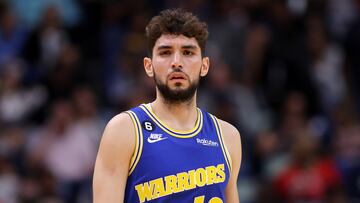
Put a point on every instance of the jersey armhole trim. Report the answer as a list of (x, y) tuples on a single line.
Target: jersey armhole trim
[(138, 142), (222, 142)]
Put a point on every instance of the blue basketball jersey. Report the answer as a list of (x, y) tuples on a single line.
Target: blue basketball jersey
[(170, 166)]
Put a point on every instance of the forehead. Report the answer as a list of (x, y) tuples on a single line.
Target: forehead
[(175, 41)]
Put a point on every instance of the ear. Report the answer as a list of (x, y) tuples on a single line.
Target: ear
[(148, 67), (205, 66)]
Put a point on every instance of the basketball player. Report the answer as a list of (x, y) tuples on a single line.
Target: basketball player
[(170, 151)]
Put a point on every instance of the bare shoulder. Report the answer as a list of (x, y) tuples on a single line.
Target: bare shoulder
[(233, 143), (112, 162), (121, 123), (230, 133), (118, 138), (120, 127)]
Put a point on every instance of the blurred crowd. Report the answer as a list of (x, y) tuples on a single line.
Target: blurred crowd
[(282, 71)]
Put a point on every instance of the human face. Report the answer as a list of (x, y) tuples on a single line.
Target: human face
[(176, 66)]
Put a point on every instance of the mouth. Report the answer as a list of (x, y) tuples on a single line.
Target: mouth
[(177, 76)]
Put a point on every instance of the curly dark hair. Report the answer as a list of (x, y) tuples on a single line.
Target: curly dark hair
[(177, 22)]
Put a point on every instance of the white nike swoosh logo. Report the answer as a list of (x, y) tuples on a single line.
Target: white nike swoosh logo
[(156, 140)]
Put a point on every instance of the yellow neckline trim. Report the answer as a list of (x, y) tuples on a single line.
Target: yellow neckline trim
[(176, 133), (148, 106)]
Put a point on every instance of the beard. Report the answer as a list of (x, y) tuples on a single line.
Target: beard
[(177, 95)]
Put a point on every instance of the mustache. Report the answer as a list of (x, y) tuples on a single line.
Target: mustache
[(177, 70)]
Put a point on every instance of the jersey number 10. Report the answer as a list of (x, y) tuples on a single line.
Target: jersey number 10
[(201, 199)]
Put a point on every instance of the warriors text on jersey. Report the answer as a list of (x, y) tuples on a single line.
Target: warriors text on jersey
[(171, 166)]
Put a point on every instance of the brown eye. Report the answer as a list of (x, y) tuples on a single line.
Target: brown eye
[(188, 53), (165, 53)]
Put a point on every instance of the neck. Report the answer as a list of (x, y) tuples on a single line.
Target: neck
[(180, 116)]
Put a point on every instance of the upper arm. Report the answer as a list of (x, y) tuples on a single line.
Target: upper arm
[(113, 160), (233, 144)]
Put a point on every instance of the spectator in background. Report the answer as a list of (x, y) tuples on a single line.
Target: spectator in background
[(66, 74), (122, 80), (285, 65), (309, 177), (12, 146), (123, 76), (38, 186), (228, 33), (253, 108), (352, 47), (134, 40), (12, 34), (112, 33), (294, 116), (9, 182), (269, 159), (30, 11), (341, 14), (327, 62), (45, 44), (87, 119), (16, 101), (346, 145), (217, 96), (67, 152)]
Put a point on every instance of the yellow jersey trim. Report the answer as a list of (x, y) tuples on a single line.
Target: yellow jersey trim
[(168, 127), (222, 142), (138, 142), (176, 133)]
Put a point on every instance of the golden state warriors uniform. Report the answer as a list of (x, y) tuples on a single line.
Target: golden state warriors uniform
[(171, 166)]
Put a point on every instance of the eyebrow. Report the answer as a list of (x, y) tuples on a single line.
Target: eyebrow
[(162, 47), (189, 47)]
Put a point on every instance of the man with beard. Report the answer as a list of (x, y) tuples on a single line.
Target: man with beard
[(169, 150)]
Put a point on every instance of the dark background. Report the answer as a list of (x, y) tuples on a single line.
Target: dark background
[(285, 72)]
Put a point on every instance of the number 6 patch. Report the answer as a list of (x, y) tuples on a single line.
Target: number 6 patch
[(148, 126)]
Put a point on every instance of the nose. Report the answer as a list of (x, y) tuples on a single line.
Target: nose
[(176, 60)]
